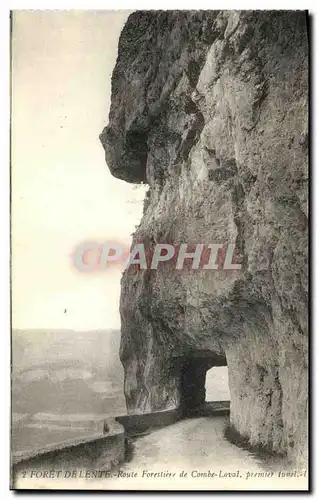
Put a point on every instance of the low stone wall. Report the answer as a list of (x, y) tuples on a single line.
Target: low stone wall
[(212, 409), (98, 451), (106, 447), (135, 425)]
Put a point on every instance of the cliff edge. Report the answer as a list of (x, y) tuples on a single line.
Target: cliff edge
[(209, 108)]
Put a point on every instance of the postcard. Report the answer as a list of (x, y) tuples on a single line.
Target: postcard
[(159, 234)]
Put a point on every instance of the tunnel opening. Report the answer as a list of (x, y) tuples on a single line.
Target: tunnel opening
[(217, 384), (194, 392)]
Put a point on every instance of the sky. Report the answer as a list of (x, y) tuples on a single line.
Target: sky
[(62, 191)]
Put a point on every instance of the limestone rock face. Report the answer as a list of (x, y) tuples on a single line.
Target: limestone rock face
[(209, 108)]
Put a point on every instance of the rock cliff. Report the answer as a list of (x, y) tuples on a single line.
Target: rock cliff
[(209, 108)]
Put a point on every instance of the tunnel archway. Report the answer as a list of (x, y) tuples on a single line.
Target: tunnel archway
[(193, 369)]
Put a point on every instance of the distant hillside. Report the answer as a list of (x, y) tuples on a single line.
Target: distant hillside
[(62, 379)]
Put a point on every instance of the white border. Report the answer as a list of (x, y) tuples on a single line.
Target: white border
[(162, 5), (5, 247)]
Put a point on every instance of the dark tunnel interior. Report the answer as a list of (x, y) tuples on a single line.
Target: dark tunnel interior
[(193, 371)]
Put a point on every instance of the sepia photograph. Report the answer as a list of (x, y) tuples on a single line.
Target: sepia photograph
[(159, 250)]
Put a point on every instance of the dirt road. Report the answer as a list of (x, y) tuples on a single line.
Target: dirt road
[(193, 454)]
